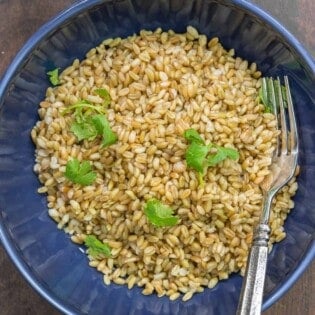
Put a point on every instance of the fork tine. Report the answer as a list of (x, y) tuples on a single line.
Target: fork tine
[(268, 83), (293, 128), (283, 122)]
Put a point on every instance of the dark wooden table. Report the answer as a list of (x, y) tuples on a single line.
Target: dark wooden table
[(18, 20)]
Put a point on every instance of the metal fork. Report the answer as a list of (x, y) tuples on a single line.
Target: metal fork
[(283, 169)]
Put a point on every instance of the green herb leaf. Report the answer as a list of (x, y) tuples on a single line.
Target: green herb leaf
[(192, 135), (84, 130), (159, 214), (103, 128), (221, 154), (96, 247), (88, 126), (54, 76), (80, 173), (104, 94), (196, 154), (83, 105)]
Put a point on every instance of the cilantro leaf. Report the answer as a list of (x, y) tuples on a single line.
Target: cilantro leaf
[(100, 122), (80, 173), (84, 130), (54, 76), (199, 157), (221, 154), (88, 126), (159, 214), (192, 135), (96, 247), (195, 156), (83, 105), (104, 94), (103, 128)]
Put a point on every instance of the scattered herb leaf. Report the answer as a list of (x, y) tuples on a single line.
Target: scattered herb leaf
[(192, 135), (80, 173), (196, 156), (222, 154), (159, 214), (86, 105), (199, 157), (84, 130), (103, 128), (96, 247), (53, 76), (104, 94), (88, 125)]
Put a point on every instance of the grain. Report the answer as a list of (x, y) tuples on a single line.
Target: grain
[(162, 83)]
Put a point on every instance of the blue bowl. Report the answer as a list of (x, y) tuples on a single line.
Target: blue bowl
[(52, 264)]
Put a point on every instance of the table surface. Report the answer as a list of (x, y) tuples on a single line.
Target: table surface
[(21, 18)]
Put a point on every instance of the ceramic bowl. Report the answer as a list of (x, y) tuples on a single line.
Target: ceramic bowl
[(52, 264)]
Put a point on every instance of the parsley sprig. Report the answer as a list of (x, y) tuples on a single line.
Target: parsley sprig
[(159, 214), (80, 173), (96, 247), (200, 156)]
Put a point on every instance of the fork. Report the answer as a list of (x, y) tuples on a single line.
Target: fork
[(283, 168)]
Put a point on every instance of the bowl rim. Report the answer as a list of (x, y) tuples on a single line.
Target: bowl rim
[(43, 32)]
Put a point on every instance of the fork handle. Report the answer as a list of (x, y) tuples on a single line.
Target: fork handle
[(253, 284)]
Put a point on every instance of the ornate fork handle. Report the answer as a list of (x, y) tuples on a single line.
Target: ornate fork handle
[(253, 283)]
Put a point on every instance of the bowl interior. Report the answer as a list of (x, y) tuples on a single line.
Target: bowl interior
[(45, 255)]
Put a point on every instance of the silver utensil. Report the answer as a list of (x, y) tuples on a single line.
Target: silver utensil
[(283, 169)]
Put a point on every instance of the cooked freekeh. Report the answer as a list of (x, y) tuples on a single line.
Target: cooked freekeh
[(161, 84)]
